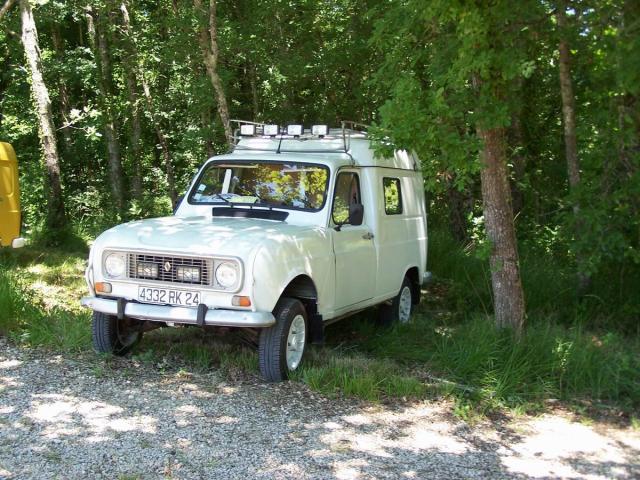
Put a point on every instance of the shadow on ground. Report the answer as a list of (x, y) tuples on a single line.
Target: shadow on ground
[(84, 418)]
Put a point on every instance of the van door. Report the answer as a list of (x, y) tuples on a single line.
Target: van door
[(353, 246), (9, 196)]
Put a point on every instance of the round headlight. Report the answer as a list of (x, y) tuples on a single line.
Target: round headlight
[(226, 275), (115, 265)]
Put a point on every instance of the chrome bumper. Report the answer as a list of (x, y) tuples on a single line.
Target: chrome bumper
[(426, 278), (183, 315), (18, 242)]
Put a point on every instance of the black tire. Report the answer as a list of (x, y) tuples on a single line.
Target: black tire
[(272, 348), (390, 314), (114, 336)]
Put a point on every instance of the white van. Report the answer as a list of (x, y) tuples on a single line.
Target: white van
[(292, 230)]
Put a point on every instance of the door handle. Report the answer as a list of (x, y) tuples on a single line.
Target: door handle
[(368, 236)]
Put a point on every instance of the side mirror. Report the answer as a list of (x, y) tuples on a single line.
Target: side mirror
[(356, 213)]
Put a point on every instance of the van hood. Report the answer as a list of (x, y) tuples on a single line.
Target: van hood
[(199, 235)]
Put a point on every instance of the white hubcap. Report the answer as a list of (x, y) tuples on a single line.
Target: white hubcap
[(295, 342), (404, 308)]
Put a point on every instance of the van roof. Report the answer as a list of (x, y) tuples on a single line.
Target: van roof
[(338, 148)]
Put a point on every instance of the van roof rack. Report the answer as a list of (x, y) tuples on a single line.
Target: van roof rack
[(348, 128)]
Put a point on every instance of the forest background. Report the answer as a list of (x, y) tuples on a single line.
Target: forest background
[(526, 117)]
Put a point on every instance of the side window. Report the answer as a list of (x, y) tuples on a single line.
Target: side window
[(392, 196), (347, 193)]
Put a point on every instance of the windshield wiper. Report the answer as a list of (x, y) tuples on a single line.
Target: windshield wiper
[(219, 195)]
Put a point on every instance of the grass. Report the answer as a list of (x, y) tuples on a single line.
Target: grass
[(451, 347), (357, 375), (39, 298)]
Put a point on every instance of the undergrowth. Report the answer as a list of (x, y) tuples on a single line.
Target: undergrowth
[(572, 350)]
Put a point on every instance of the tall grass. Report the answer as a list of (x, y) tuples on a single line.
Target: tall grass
[(26, 317), (476, 360), (549, 281), (570, 349)]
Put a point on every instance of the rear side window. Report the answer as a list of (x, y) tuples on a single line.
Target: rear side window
[(346, 194), (392, 196)]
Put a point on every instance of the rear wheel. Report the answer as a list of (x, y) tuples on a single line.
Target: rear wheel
[(282, 346), (114, 336), (399, 311)]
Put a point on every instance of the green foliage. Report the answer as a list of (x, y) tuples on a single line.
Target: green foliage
[(427, 73)]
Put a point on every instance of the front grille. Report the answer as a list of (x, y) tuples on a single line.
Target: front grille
[(167, 270)]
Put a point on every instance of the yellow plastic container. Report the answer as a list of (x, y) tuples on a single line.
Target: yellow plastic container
[(9, 198)]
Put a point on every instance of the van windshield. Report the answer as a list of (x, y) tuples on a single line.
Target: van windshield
[(283, 185)]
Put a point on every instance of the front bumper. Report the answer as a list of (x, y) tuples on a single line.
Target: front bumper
[(427, 278), (182, 315), (18, 242)]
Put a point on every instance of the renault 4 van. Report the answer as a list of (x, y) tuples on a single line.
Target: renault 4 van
[(294, 229), (9, 198)]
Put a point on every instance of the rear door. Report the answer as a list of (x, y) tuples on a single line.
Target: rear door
[(353, 245), (9, 196)]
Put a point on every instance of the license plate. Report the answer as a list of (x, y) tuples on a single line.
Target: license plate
[(168, 296)]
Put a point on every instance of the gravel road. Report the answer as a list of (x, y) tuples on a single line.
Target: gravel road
[(71, 418)]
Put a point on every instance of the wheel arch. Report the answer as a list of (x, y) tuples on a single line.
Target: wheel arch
[(413, 274), (303, 288)]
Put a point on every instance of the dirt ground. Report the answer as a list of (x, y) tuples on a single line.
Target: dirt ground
[(64, 417)]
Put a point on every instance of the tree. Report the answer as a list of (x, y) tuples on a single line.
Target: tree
[(508, 296), (135, 71), (98, 25), (56, 217), (208, 38), (129, 62), (453, 74), (569, 124)]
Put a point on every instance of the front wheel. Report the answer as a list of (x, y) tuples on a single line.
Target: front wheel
[(401, 306), (114, 336), (281, 347)]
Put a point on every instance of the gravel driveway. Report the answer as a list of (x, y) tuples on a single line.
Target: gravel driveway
[(69, 418)]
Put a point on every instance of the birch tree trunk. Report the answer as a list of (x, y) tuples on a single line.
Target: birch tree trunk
[(56, 217), (208, 39), (98, 39)]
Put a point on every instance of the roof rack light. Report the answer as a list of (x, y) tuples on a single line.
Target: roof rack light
[(271, 130), (294, 130), (247, 130), (320, 130)]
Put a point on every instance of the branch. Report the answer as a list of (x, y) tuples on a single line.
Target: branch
[(6, 7)]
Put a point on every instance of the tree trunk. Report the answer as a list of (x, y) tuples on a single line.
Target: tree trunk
[(568, 102), (209, 46), (129, 61), (569, 124), (253, 81), (6, 7), (508, 297), (65, 104), (98, 35), (162, 140), (519, 162), (56, 218), (458, 207)]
